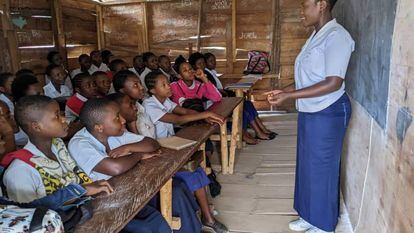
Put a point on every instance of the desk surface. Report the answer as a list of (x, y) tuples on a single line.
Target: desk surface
[(137, 186)]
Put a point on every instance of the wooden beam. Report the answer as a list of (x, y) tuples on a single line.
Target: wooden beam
[(229, 48), (10, 36), (200, 18), (58, 30), (275, 52), (145, 26), (233, 28), (100, 27)]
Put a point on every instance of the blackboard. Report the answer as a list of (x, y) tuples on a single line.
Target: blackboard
[(371, 24)]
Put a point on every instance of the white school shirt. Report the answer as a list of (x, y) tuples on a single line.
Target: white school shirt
[(215, 76), (134, 71), (324, 54), (51, 91), (78, 71), (23, 182), (142, 77), (20, 137), (89, 152), (156, 110), (8, 102), (144, 124), (103, 67)]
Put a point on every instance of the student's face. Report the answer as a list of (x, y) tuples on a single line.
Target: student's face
[(139, 63), (8, 116), (57, 59), (128, 109), (121, 66), (152, 63), (311, 12), (133, 88), (85, 63), (52, 124), (103, 84), (34, 89), (165, 64), (97, 58), (113, 123), (162, 87), (88, 88), (186, 72), (58, 76), (211, 63), (7, 86)]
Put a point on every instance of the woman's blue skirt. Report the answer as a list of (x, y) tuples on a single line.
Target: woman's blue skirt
[(319, 147)]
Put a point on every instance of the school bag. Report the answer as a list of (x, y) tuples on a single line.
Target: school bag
[(194, 103), (258, 63)]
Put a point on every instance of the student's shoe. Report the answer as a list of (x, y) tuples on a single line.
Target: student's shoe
[(300, 225), (216, 227), (317, 230)]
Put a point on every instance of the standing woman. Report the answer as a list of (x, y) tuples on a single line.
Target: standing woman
[(324, 113)]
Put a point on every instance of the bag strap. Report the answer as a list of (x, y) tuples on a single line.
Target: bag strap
[(37, 220), (257, 63)]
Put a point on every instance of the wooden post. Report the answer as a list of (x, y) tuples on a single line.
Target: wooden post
[(145, 26), (229, 48), (275, 52), (166, 206), (224, 148), (190, 49), (233, 28), (200, 18), (10, 36), (58, 31), (235, 134), (100, 27)]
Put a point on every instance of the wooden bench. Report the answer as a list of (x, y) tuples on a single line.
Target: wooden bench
[(137, 186)]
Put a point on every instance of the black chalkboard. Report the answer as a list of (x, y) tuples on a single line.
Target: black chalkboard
[(371, 24)]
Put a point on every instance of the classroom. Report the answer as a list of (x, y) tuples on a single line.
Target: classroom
[(206, 116)]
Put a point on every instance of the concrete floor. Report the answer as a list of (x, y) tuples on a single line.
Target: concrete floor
[(258, 197)]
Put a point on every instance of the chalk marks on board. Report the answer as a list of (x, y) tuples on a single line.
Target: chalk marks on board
[(219, 4)]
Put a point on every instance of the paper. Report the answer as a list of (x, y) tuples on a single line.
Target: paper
[(176, 143)]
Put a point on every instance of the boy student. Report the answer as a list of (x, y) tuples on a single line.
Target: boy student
[(103, 83), (138, 65), (128, 83), (56, 87), (85, 88), (164, 63), (97, 64), (6, 95), (54, 58), (164, 113), (151, 64), (85, 66), (104, 149), (45, 165)]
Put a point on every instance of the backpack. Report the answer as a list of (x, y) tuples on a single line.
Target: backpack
[(258, 63)]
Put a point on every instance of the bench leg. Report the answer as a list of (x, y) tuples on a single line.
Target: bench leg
[(235, 134), (166, 206), (224, 148), (239, 93)]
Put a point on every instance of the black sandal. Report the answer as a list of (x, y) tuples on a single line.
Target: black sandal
[(216, 227)]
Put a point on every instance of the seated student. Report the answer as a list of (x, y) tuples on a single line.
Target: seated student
[(103, 83), (189, 88), (56, 87), (25, 71), (45, 165), (85, 66), (85, 88), (6, 95), (164, 63), (97, 64), (8, 128), (117, 65), (210, 64), (106, 56), (164, 113), (104, 149), (128, 83), (138, 65), (54, 58), (151, 64)]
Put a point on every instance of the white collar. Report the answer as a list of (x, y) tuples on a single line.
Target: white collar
[(81, 97), (87, 135), (155, 100), (35, 151)]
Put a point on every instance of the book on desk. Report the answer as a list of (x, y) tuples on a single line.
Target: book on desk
[(176, 143)]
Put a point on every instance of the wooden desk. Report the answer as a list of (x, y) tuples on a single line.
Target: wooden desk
[(137, 186)]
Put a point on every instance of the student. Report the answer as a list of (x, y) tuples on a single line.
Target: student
[(85, 88), (97, 64), (25, 85), (164, 113), (189, 88), (103, 83), (106, 56), (138, 65), (250, 114), (104, 149), (85, 66), (8, 128), (210, 63), (56, 87), (117, 65), (54, 58), (164, 63), (128, 83), (6, 95), (151, 64), (44, 166), (24, 71)]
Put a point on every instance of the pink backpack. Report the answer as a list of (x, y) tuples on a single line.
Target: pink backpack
[(258, 63)]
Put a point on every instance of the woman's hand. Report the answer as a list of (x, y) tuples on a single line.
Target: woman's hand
[(151, 154), (98, 187), (120, 151), (201, 75), (214, 118), (277, 99)]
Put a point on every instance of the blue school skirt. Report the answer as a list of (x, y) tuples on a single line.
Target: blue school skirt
[(148, 220), (194, 180), (319, 146)]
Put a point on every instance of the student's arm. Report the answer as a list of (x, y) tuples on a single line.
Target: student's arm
[(97, 187), (117, 166), (146, 145), (183, 119)]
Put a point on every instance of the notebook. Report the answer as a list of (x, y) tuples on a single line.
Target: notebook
[(176, 143)]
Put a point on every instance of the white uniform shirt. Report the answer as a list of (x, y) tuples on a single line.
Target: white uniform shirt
[(135, 71), (142, 77), (78, 71), (89, 152), (215, 76), (8, 102), (103, 67), (325, 54), (144, 124), (156, 110), (20, 137), (51, 91)]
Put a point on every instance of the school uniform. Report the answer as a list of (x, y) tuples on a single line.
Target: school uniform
[(103, 67), (20, 137), (78, 71), (68, 81), (214, 74), (89, 152), (198, 90), (322, 123), (144, 124), (156, 110), (172, 77), (74, 106), (134, 71), (142, 77), (8, 102), (51, 91)]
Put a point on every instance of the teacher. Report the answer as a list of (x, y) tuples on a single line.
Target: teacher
[(324, 113)]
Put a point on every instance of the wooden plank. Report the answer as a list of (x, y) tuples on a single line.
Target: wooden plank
[(58, 30), (275, 52), (200, 15), (229, 48), (145, 26), (233, 28), (10, 36), (100, 27)]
